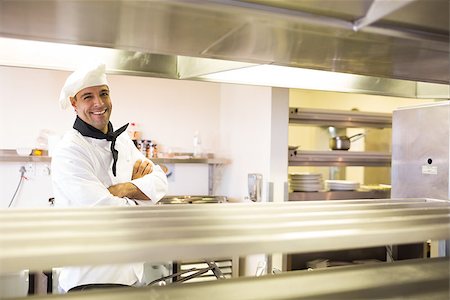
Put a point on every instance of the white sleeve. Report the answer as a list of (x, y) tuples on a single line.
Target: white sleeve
[(153, 185), (75, 182)]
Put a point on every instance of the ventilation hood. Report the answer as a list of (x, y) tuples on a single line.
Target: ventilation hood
[(398, 41)]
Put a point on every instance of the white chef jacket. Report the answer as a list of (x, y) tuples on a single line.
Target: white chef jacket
[(81, 174)]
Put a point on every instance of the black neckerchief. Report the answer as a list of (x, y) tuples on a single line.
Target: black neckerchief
[(90, 131)]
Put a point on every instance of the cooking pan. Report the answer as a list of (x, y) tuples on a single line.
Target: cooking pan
[(343, 142)]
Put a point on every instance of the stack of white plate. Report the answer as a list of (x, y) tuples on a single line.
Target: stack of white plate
[(305, 182), (342, 185)]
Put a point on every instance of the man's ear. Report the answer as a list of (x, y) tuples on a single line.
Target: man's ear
[(73, 102)]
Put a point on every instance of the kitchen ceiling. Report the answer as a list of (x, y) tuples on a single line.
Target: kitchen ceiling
[(401, 39)]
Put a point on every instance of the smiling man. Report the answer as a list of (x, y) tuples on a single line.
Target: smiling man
[(93, 106), (94, 165)]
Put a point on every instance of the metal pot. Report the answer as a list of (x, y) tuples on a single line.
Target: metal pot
[(343, 142)]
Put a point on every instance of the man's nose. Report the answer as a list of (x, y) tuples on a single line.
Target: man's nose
[(98, 100)]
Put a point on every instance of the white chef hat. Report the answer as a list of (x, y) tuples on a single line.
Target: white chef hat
[(86, 76)]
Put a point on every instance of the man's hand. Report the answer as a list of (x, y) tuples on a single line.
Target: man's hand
[(127, 189), (141, 168)]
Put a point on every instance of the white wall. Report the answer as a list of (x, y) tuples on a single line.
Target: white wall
[(168, 111), (254, 123), (245, 136)]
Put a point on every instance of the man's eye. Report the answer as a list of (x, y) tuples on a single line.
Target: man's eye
[(87, 97), (104, 94)]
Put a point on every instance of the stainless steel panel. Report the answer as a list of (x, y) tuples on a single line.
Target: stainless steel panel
[(411, 279), (44, 238), (411, 43), (421, 15), (420, 151)]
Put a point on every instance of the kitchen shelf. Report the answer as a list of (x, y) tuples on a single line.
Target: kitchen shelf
[(339, 118), (7, 155), (339, 195), (338, 158)]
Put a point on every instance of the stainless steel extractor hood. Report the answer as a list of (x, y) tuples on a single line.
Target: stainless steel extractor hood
[(402, 39)]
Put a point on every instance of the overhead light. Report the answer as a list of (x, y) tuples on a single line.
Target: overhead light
[(271, 75), (16, 52), (290, 77), (58, 56)]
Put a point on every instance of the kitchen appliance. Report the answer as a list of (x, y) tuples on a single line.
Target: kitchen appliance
[(255, 187)]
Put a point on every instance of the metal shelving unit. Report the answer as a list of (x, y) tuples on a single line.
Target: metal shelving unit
[(339, 118), (330, 158)]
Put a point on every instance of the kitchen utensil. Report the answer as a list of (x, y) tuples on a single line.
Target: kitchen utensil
[(332, 131), (24, 151), (343, 142)]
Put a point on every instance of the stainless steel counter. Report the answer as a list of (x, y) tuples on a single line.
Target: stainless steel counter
[(425, 279), (38, 239)]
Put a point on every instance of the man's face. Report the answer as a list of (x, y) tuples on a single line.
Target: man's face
[(93, 106)]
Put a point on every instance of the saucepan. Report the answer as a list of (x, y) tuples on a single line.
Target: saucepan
[(343, 142)]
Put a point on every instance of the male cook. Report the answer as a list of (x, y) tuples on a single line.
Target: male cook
[(94, 165)]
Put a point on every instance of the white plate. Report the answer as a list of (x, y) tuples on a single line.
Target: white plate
[(307, 180), (342, 185), (305, 189), (342, 188), (342, 182), (306, 184), (304, 176)]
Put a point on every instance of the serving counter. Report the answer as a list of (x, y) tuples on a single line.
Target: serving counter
[(40, 239)]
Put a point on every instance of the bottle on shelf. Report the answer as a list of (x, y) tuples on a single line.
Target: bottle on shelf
[(154, 150), (134, 132), (148, 148), (197, 145)]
